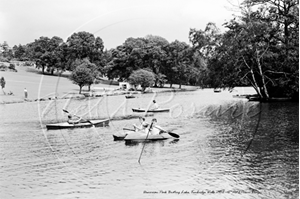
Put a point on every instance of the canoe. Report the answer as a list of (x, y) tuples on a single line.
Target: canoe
[(66, 125), (137, 136), (129, 96), (217, 90), (150, 111)]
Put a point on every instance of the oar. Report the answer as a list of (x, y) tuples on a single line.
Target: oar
[(173, 134), (128, 129), (145, 142), (170, 133)]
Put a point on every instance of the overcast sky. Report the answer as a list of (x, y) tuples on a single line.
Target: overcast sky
[(23, 21)]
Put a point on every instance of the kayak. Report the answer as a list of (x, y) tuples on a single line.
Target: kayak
[(151, 110), (129, 96), (137, 136), (132, 135), (65, 125)]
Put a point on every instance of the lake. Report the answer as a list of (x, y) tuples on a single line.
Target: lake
[(228, 148)]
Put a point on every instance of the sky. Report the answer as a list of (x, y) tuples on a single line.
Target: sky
[(23, 21)]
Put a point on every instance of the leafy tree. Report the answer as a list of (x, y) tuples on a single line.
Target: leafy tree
[(6, 53), (127, 58), (19, 52), (179, 63), (92, 67), (44, 52), (81, 76), (137, 53), (142, 77), (83, 45), (256, 49)]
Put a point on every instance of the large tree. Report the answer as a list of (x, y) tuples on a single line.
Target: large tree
[(82, 76), (256, 49), (44, 51), (179, 63), (83, 45), (93, 70)]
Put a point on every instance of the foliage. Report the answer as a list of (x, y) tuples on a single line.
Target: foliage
[(82, 76), (84, 45), (92, 67), (3, 67), (142, 77), (12, 67), (2, 82), (45, 52), (19, 52), (260, 48), (6, 53)]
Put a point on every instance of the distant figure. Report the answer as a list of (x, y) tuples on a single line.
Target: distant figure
[(25, 92), (155, 105), (143, 125)]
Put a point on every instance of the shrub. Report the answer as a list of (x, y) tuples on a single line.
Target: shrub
[(142, 77), (12, 67)]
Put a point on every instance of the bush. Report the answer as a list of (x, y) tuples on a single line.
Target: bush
[(12, 67), (3, 67), (142, 77)]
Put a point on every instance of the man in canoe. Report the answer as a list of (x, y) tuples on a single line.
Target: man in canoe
[(154, 106), (74, 119), (143, 126), (154, 128)]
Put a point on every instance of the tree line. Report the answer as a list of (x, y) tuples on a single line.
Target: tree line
[(260, 48)]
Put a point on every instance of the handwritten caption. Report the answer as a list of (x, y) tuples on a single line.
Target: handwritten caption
[(203, 192)]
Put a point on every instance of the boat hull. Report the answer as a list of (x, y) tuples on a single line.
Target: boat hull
[(150, 111), (66, 125), (121, 135), (136, 136)]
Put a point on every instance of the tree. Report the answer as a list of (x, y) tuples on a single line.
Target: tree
[(6, 53), (142, 77), (179, 63), (19, 52), (44, 51), (92, 67), (137, 53), (2, 82), (81, 76), (256, 49), (83, 45)]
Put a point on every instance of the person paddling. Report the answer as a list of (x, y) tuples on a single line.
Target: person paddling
[(143, 125), (155, 129), (155, 105), (74, 119)]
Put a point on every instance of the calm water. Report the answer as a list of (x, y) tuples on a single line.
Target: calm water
[(227, 149)]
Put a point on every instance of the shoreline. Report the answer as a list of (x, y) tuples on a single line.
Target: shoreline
[(44, 87), (94, 95)]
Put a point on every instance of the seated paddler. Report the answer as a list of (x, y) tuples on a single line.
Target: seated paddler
[(74, 119)]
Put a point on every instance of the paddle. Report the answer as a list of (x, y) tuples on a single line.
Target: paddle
[(79, 117), (128, 129), (170, 133), (145, 142), (173, 134)]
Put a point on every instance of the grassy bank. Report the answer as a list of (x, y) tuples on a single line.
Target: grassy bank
[(48, 87)]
